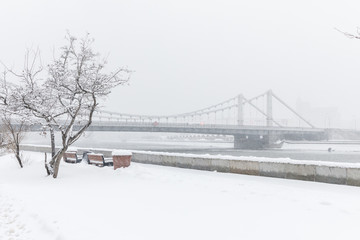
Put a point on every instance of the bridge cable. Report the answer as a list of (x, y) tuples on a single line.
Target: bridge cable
[(293, 111), (263, 113)]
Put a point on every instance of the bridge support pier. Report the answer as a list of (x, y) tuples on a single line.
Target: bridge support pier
[(242, 141)]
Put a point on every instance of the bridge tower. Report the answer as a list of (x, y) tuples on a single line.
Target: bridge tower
[(246, 137), (269, 108), (240, 120)]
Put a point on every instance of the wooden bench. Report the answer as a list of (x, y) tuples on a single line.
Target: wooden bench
[(71, 157), (99, 160)]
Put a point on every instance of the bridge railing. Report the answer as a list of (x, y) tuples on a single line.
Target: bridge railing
[(199, 125)]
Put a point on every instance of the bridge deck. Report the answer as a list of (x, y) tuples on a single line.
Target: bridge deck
[(200, 128), (115, 126)]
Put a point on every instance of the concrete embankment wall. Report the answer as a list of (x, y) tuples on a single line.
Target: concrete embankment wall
[(47, 149), (347, 174), (36, 148), (337, 173)]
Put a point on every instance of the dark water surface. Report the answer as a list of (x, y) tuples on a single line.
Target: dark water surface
[(166, 143)]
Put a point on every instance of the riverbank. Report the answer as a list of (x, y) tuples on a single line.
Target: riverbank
[(156, 202), (319, 171)]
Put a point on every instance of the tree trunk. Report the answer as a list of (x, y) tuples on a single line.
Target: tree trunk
[(52, 138), (57, 161), (47, 166), (17, 154), (53, 150)]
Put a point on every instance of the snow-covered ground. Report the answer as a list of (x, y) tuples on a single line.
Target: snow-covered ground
[(155, 202)]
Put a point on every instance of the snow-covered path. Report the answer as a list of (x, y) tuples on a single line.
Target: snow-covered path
[(17, 224), (154, 202), (11, 227)]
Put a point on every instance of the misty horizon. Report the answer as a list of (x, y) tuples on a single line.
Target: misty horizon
[(192, 54)]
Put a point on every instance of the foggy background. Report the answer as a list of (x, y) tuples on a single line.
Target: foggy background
[(191, 54)]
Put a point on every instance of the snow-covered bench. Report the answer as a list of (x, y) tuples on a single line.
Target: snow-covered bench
[(71, 157), (99, 160)]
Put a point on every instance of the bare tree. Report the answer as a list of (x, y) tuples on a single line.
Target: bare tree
[(13, 132), (14, 122), (78, 81), (33, 98), (66, 99), (26, 95)]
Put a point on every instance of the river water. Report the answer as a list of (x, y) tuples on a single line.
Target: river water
[(349, 152)]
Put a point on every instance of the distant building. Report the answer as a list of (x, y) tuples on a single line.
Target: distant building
[(323, 117)]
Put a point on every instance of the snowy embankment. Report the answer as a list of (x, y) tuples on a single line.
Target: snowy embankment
[(319, 171), (108, 153), (156, 202)]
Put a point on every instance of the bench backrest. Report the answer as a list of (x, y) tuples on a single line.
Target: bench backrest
[(70, 156), (96, 158)]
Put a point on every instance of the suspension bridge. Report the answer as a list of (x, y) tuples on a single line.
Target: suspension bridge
[(251, 121)]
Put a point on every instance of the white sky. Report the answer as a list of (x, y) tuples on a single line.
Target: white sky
[(191, 54)]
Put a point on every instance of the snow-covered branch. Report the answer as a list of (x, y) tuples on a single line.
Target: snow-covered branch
[(67, 96)]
